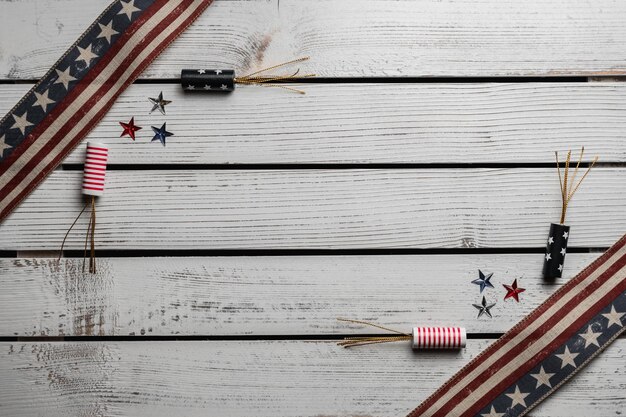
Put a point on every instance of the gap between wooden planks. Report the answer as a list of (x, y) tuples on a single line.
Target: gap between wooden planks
[(321, 209), (366, 123), (291, 296), (351, 38), (263, 378)]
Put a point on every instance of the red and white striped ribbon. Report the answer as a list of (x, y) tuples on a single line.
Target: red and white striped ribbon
[(439, 337), (95, 169)]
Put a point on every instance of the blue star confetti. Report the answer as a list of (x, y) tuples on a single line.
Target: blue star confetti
[(484, 281), (161, 134)]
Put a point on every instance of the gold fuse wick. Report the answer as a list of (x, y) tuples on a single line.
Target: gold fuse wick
[(361, 341), (568, 192), (269, 80)]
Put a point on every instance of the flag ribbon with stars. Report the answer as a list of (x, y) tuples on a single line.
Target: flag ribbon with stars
[(544, 350), (59, 111)]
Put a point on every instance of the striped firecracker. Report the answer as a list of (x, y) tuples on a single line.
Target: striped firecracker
[(95, 169), (439, 337)]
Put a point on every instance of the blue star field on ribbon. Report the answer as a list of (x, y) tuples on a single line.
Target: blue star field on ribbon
[(66, 73), (565, 360)]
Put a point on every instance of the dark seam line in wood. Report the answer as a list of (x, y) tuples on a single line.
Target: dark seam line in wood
[(335, 166), (171, 253), (124, 253), (383, 80), (220, 338), (296, 337)]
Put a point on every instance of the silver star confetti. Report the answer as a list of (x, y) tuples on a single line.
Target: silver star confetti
[(483, 308), (159, 103)]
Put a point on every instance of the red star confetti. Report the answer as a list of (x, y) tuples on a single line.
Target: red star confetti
[(129, 128), (512, 291)]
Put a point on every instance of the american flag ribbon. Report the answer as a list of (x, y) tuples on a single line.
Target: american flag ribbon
[(544, 350), (59, 111)]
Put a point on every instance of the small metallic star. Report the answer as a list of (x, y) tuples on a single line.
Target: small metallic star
[(484, 281), (614, 317), (550, 240), (21, 123), (85, 54), (107, 31), (159, 103), (128, 8), (492, 413), (543, 378), (560, 268), (548, 256), (207, 87), (565, 235), (218, 72), (224, 87), (3, 145), (161, 134), (484, 308), (42, 100), (64, 77), (567, 358), (129, 128), (191, 87), (512, 291), (590, 337), (518, 397), (201, 71)]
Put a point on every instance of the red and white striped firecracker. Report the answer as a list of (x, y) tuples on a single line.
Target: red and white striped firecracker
[(95, 169), (439, 337), (93, 186), (421, 337)]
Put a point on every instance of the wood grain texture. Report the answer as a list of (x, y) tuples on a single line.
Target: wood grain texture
[(272, 379), (350, 38), (367, 123), (328, 209), (284, 295)]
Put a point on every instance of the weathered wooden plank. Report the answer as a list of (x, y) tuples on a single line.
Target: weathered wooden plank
[(373, 123), (263, 378), (351, 38), (287, 295), (335, 209)]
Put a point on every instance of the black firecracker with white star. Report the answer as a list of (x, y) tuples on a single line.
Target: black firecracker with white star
[(208, 80), (556, 248)]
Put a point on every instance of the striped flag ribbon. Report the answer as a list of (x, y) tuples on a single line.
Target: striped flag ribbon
[(59, 111), (544, 350)]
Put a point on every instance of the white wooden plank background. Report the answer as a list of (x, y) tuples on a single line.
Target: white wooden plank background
[(289, 296), (277, 295), (243, 378), (364, 123), (334, 209), (351, 38)]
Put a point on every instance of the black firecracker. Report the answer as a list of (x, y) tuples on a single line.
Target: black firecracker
[(208, 80), (556, 248)]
